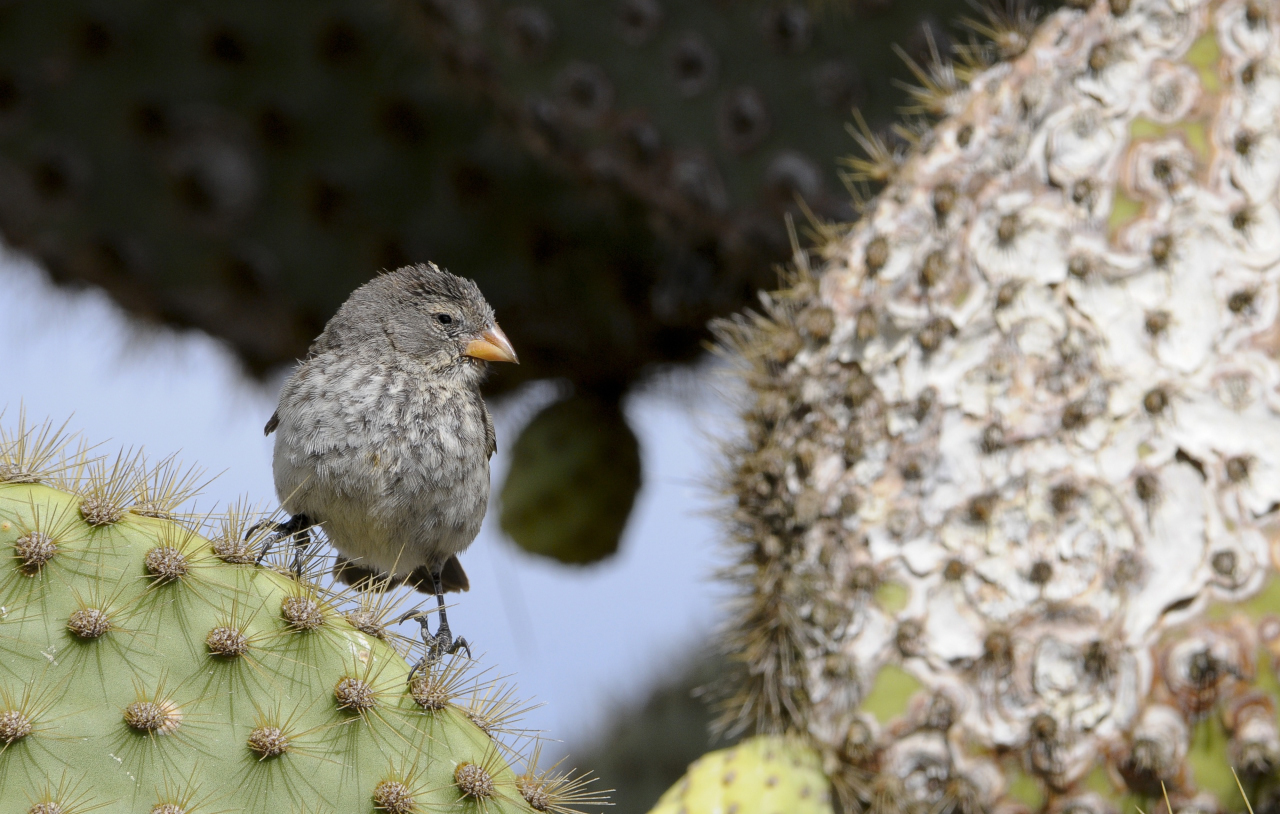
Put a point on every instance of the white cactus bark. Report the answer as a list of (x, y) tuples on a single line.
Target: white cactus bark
[(1037, 385)]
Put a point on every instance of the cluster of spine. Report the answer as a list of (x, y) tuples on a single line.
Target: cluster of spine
[(147, 664), (1005, 511)]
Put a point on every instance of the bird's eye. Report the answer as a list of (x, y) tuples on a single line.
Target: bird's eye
[(445, 319)]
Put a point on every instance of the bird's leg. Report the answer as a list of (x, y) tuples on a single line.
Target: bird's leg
[(444, 641), (440, 643), (296, 529)]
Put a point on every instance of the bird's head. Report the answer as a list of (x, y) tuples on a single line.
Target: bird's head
[(436, 318)]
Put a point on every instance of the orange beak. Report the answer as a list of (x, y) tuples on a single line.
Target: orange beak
[(492, 346)]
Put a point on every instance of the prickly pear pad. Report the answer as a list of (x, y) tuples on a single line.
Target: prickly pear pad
[(139, 671), (761, 775)]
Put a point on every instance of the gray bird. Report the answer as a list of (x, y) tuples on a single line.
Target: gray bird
[(383, 438)]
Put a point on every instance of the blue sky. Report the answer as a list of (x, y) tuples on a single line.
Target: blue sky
[(581, 641)]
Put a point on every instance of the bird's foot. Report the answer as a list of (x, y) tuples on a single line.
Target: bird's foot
[(297, 530), (446, 645), (438, 644)]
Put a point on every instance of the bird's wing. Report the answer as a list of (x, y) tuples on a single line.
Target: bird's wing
[(490, 436), (360, 577), (320, 344), (452, 577)]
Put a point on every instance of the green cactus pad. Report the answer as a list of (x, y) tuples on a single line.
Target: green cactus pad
[(554, 502), (145, 667), (763, 775)]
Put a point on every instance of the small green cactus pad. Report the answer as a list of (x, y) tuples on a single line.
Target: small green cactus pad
[(554, 501), (763, 775), (146, 667)]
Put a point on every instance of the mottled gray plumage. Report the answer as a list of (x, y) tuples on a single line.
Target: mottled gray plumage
[(382, 436)]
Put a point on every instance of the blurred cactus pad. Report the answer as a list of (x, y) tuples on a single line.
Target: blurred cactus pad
[(762, 774), (1005, 507), (148, 665), (555, 502), (613, 174)]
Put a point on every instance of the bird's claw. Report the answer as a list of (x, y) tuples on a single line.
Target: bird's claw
[(438, 644), (296, 529), (444, 644)]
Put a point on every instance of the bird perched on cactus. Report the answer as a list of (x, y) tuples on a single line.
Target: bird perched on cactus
[(383, 438)]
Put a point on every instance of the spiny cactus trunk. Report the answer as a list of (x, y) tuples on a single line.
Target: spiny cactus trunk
[(1006, 505), (148, 665)]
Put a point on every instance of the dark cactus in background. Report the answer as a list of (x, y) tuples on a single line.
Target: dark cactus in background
[(612, 174)]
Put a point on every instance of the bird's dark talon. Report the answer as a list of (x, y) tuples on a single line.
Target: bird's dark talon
[(269, 543), (418, 666), (430, 657), (459, 644), (417, 614), (296, 529)]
